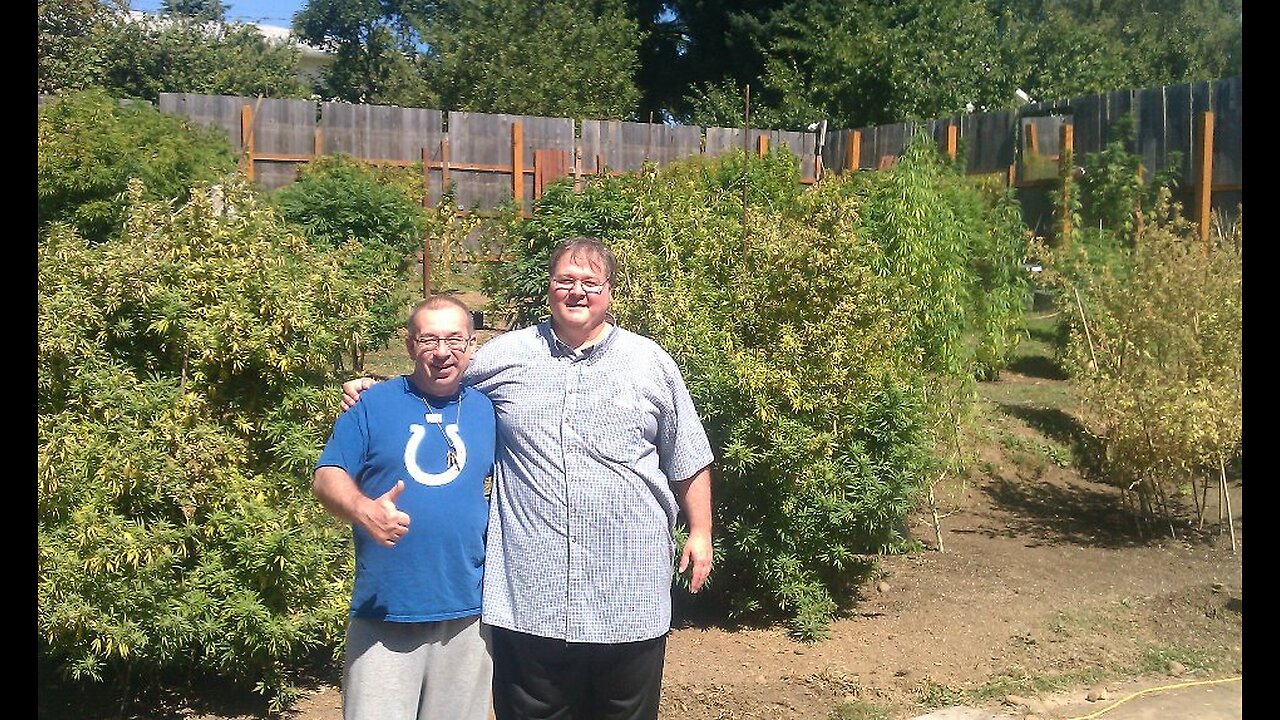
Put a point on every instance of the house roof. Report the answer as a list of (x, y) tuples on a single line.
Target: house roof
[(270, 32)]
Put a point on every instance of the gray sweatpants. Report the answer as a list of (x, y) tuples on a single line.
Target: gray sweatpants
[(417, 671)]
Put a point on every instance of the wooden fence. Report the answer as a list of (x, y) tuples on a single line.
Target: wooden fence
[(490, 159), (1194, 130)]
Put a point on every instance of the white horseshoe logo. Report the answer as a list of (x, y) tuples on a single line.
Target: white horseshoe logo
[(416, 433)]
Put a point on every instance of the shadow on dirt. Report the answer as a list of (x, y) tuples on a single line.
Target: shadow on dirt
[(1037, 366), (1062, 427), (1088, 514)]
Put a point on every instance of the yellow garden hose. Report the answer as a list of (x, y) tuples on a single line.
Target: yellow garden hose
[(1121, 701)]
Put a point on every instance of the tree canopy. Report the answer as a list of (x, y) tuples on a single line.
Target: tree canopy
[(851, 62)]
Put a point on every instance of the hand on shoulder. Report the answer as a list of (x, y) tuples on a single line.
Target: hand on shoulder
[(351, 390)]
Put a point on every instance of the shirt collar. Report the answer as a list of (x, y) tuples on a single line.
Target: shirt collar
[(560, 349)]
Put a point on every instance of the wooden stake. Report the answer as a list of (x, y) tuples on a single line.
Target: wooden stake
[(1092, 358), (854, 160), (1227, 495), (517, 165), (246, 139), (426, 238), (1066, 175), (746, 159), (952, 141), (1204, 177), (937, 524)]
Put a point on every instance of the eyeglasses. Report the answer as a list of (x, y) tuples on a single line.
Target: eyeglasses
[(590, 287), (430, 342)]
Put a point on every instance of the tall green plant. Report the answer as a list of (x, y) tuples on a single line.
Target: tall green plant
[(1154, 345), (787, 316), (959, 251), (185, 376), (372, 216), (89, 145)]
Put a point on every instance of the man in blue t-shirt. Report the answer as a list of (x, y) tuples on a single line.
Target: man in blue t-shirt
[(407, 469)]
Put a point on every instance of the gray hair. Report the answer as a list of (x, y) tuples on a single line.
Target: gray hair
[(437, 302)]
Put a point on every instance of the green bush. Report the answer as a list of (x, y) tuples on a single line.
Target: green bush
[(1154, 348), (959, 246), (373, 217), (89, 145), (186, 376), (797, 332), (85, 44)]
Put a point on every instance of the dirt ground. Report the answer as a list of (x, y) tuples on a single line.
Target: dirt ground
[(1043, 585)]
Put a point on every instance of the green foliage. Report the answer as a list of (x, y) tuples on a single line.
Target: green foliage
[(93, 43), (959, 250), (1116, 191), (185, 379), (791, 322), (547, 57), (337, 200), (187, 55), (72, 37), (869, 62), (1157, 355), (1061, 48), (88, 146), (864, 63), (204, 10), (372, 216)]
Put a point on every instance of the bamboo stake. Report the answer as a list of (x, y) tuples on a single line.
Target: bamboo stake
[(746, 159), (1221, 493), (1230, 521), (1092, 357), (1166, 507), (937, 524), (1202, 503)]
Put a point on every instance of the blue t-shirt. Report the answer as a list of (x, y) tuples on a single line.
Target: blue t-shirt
[(436, 571)]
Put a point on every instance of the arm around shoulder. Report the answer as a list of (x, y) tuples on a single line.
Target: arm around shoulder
[(351, 390)]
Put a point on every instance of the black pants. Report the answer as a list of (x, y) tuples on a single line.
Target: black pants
[(537, 678)]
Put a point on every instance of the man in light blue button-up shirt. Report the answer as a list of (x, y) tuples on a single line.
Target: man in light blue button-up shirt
[(600, 448)]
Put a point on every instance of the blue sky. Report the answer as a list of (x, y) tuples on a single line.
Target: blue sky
[(265, 12)]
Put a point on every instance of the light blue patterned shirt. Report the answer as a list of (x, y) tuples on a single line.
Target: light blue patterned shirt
[(580, 543)]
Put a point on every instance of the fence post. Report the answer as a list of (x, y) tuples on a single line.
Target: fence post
[(854, 158), (426, 237), (444, 166), (246, 139), (517, 165), (1204, 177), (1067, 176), (952, 141), (762, 145)]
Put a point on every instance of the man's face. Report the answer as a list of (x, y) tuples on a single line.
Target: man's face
[(579, 293), (440, 344)]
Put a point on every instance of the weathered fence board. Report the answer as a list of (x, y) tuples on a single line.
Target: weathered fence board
[(222, 111), (721, 140), (613, 145), (281, 129), (386, 133), (481, 148), (1227, 133), (1150, 112), (989, 141)]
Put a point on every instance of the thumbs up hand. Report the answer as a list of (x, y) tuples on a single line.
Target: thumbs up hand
[(383, 520)]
